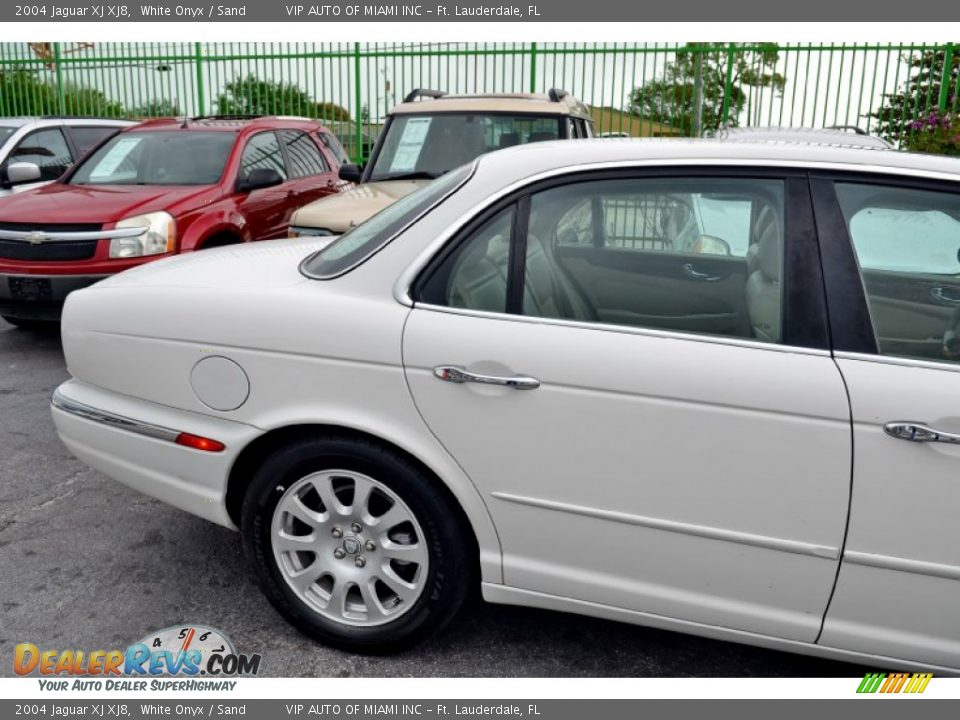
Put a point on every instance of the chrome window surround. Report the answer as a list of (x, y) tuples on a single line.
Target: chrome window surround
[(380, 246), (403, 285), (62, 402), (37, 237)]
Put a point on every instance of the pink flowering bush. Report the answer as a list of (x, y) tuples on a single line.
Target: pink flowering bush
[(938, 132)]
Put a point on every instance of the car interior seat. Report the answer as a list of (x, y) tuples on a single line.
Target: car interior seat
[(763, 283)]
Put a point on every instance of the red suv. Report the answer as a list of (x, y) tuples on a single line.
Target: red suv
[(159, 188)]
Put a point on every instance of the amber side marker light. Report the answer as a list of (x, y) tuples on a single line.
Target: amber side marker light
[(199, 443)]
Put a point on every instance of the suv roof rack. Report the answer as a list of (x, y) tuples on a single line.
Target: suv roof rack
[(418, 93), (229, 116), (856, 130), (556, 94)]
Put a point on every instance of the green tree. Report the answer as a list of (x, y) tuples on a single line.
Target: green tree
[(251, 96), (905, 113), (157, 108), (22, 92), (690, 94)]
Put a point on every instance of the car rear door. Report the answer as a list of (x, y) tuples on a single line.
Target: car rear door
[(636, 464), (893, 278), (311, 174)]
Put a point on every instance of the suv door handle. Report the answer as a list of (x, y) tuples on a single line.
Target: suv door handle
[(918, 432), (454, 374)]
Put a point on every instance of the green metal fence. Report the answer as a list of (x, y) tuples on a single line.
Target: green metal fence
[(901, 91)]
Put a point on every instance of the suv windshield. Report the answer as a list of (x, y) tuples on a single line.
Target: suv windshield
[(352, 248), (170, 157), (427, 146)]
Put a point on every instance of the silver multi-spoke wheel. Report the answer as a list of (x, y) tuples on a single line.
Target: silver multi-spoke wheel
[(349, 547)]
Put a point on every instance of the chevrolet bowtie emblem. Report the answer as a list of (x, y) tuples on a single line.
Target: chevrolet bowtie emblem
[(36, 237)]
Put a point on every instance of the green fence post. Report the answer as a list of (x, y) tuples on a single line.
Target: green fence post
[(727, 86), (201, 104), (61, 105), (358, 100), (533, 67), (945, 80)]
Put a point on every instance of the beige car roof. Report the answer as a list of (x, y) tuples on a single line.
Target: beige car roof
[(535, 103)]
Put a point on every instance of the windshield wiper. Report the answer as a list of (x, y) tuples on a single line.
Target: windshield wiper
[(414, 175)]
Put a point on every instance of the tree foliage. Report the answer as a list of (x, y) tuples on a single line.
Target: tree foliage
[(23, 92), (252, 96), (905, 116), (672, 99)]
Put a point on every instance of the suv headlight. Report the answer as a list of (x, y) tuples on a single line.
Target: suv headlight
[(159, 236)]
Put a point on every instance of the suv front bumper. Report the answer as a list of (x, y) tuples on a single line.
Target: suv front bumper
[(39, 297)]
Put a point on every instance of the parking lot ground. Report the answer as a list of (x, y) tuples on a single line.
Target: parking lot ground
[(87, 564)]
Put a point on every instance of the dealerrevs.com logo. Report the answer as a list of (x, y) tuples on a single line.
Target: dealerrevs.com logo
[(186, 651)]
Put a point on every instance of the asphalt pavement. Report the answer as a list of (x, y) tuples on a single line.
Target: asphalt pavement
[(86, 563)]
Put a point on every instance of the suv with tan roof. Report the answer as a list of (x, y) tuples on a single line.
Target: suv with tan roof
[(431, 133)]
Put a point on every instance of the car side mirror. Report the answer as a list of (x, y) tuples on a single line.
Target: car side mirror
[(260, 178), (711, 245), (22, 172), (351, 173)]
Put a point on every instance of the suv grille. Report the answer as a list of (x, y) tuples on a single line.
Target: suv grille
[(69, 250)]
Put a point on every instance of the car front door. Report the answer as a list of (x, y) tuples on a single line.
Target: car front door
[(266, 210), (676, 468), (48, 149), (896, 290)]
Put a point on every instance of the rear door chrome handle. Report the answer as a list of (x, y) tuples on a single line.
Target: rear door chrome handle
[(918, 432), (454, 374), (946, 295)]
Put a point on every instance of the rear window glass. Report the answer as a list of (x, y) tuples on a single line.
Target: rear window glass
[(355, 246)]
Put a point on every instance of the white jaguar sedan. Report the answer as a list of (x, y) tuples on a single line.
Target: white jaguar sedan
[(712, 387)]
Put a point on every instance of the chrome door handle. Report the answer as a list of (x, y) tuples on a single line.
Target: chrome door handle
[(918, 432), (454, 374), (691, 271)]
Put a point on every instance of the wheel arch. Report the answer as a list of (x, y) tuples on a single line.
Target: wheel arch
[(466, 501)]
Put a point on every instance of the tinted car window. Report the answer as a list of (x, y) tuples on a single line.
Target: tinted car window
[(908, 246), (85, 136), (174, 157), (48, 149), (304, 157), (430, 145), (368, 237), (262, 151), (635, 252), (334, 146)]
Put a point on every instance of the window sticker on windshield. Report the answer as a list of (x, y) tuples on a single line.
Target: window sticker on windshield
[(116, 155), (411, 143)]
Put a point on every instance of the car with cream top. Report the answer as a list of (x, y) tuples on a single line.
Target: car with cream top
[(431, 133), (520, 377)]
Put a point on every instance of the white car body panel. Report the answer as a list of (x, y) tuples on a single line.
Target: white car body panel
[(662, 445), (741, 540), (904, 540)]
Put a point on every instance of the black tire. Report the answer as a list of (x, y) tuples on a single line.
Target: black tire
[(24, 324), (452, 555)]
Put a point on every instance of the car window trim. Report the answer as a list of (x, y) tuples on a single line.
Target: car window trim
[(805, 323)]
